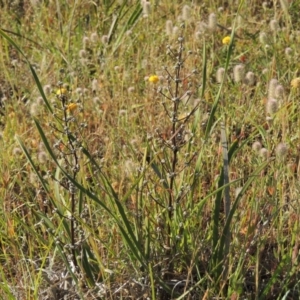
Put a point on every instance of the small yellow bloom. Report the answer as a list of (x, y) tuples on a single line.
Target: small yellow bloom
[(71, 107), (154, 79), (61, 91), (295, 83), (226, 40)]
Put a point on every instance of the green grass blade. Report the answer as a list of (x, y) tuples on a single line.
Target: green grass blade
[(36, 79), (123, 222)]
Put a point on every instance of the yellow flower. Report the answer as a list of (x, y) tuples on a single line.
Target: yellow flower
[(71, 107), (226, 40), (153, 78), (61, 91), (295, 83)]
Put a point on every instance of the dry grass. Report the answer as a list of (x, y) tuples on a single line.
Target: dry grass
[(112, 199)]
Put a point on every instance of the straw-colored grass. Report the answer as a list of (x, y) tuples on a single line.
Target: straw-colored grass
[(149, 149)]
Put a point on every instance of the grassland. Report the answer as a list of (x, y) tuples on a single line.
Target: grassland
[(149, 150)]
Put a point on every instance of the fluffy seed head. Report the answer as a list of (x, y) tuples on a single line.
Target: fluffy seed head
[(272, 87), (104, 39), (85, 41), (263, 38), (40, 101), (238, 73), (288, 52), (272, 106), (220, 74), (42, 157), (95, 85), (281, 151), (130, 89), (94, 37), (263, 153), (17, 151), (279, 91), (146, 7), (274, 25), (256, 146), (47, 89), (212, 22), (175, 30), (186, 13), (82, 53), (265, 5), (34, 109), (79, 91), (250, 78)]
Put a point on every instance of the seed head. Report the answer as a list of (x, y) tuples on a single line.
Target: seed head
[(130, 90), (104, 39), (279, 91), (17, 151), (34, 109), (238, 73), (263, 153), (202, 27), (250, 79), (95, 85), (146, 8), (272, 106), (256, 146), (220, 74), (85, 41), (272, 87), (288, 52), (82, 53), (47, 89), (42, 157), (274, 25), (186, 13), (94, 37), (263, 38), (212, 22), (281, 151)]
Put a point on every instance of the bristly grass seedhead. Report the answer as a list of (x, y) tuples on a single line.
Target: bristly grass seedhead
[(239, 73)]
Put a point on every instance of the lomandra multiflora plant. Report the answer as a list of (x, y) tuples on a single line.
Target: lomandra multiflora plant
[(64, 141), (170, 143), (172, 153)]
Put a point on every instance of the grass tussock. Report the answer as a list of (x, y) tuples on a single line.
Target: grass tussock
[(149, 150)]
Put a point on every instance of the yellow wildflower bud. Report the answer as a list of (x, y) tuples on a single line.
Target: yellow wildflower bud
[(61, 91), (153, 79), (226, 40), (295, 83), (71, 107)]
